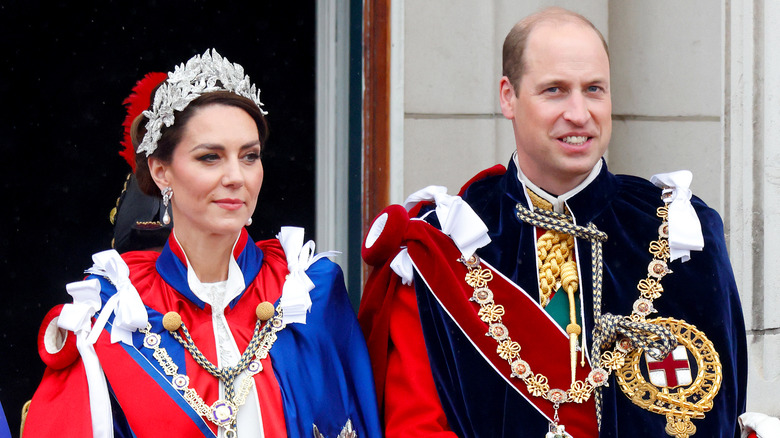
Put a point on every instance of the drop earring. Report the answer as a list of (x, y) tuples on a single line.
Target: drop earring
[(167, 193), (249, 221)]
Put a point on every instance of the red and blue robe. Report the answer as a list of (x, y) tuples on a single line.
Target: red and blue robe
[(317, 373)]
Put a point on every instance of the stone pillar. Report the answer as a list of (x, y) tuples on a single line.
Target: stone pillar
[(752, 184)]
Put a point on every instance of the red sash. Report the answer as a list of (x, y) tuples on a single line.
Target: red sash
[(544, 345)]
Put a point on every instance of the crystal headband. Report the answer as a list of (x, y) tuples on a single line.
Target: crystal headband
[(201, 74)]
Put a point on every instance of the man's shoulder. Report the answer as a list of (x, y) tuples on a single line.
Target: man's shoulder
[(639, 187), (636, 191), (484, 179), (476, 191), (633, 185)]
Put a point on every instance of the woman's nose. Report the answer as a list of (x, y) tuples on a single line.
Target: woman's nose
[(233, 176)]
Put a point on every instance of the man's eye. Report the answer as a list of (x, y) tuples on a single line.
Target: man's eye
[(594, 89), (552, 90)]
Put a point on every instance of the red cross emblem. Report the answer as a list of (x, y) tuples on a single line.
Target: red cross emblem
[(672, 371)]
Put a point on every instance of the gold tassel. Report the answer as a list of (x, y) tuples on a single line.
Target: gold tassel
[(570, 284)]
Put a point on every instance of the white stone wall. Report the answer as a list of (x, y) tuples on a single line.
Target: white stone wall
[(667, 91), (685, 76)]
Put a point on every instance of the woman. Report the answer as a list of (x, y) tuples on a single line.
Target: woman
[(216, 335)]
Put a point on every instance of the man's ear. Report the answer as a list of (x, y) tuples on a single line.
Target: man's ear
[(507, 97), (159, 172)]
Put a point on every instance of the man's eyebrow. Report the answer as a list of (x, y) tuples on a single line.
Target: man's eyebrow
[(598, 80), (551, 83)]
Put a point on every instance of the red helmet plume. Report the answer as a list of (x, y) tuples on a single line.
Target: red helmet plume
[(138, 101)]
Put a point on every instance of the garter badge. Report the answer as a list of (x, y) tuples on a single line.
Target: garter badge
[(677, 387), (673, 371)]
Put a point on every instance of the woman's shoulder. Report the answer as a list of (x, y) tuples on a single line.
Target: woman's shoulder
[(271, 248), (313, 264), (141, 264), (138, 259)]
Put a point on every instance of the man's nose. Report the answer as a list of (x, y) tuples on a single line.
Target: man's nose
[(577, 111)]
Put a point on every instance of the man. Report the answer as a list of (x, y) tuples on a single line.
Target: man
[(596, 305)]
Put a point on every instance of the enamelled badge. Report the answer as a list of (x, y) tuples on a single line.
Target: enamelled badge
[(671, 389)]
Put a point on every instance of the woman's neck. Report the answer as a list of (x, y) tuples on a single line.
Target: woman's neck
[(208, 255)]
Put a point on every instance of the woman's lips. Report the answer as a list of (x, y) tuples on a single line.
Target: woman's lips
[(229, 204)]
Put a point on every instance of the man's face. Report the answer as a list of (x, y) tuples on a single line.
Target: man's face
[(562, 113)]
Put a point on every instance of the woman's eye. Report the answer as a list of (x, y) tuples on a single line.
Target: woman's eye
[(208, 158), (252, 157)]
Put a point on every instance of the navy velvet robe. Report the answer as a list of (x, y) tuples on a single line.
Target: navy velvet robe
[(702, 291)]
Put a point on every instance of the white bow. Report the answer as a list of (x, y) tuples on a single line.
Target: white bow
[(129, 310), (295, 301), (457, 219), (763, 425), (77, 317), (402, 266), (684, 226)]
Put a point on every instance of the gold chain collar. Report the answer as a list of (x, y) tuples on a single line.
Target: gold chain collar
[(579, 391), (222, 412)]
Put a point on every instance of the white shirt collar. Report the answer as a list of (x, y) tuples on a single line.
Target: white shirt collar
[(558, 202), (234, 284)]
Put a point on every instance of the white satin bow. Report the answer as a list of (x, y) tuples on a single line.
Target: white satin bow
[(130, 314), (77, 317), (295, 301), (129, 310), (403, 267), (763, 425), (684, 227), (456, 218)]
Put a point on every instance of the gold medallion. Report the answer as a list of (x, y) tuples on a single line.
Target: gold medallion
[(676, 397)]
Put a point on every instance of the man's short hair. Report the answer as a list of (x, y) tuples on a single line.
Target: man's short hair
[(517, 39)]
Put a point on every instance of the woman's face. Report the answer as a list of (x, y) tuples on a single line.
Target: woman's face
[(215, 172)]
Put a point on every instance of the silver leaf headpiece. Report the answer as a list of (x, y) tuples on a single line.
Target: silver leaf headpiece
[(201, 74)]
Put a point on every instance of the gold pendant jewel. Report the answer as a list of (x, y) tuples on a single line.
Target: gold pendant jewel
[(679, 396), (223, 413)]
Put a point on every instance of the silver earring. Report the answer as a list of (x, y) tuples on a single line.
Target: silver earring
[(249, 222), (167, 193)]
